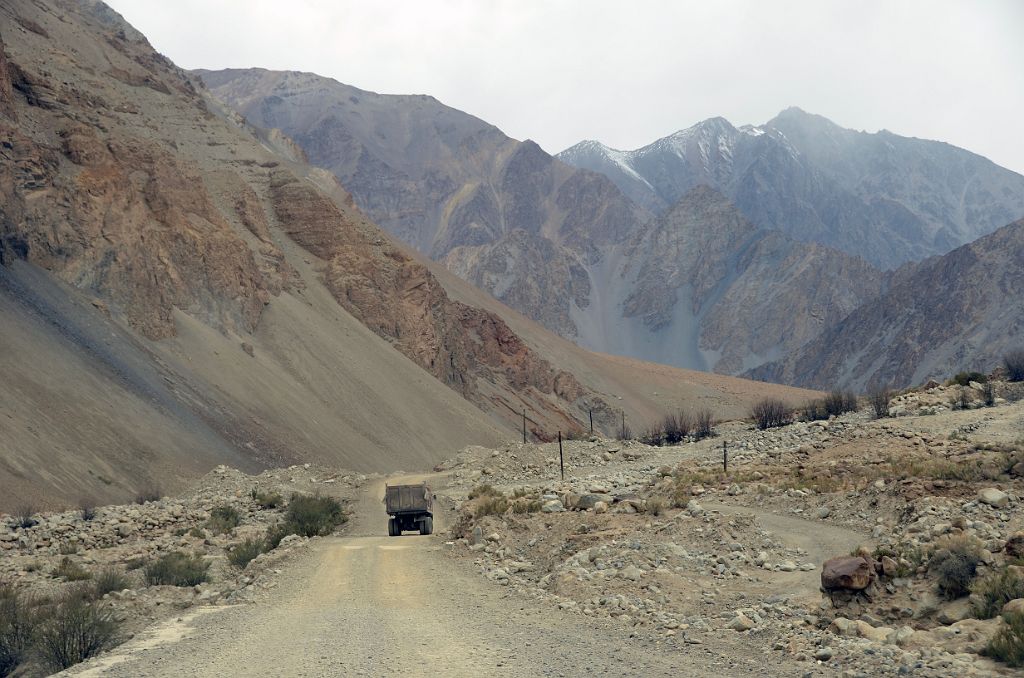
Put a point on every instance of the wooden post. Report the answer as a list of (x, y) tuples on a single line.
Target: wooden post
[(725, 458), (561, 456), (623, 429), (591, 422), (524, 426)]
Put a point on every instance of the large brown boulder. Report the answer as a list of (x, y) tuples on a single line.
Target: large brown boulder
[(847, 573), (1015, 545)]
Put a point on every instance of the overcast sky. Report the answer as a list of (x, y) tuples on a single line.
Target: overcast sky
[(628, 72)]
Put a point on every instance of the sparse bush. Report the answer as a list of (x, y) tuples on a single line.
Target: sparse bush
[(526, 505), (75, 630), (134, 563), (491, 505), (177, 569), (704, 425), (482, 490), (69, 570), (955, 563), (654, 436), (67, 548), (676, 428), (962, 399), (814, 410), (18, 621), (314, 515), (267, 500), (24, 516), (880, 396), (988, 394), (1007, 645), (994, 591), (242, 554), (87, 510), (223, 519), (149, 492), (197, 533), (965, 378), (656, 505), (770, 413), (840, 402), (1014, 363), (109, 580), (276, 533)]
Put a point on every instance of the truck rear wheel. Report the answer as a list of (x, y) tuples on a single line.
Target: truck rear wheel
[(393, 530), (427, 526)]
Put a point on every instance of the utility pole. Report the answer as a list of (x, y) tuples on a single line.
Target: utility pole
[(591, 422), (725, 458), (561, 456)]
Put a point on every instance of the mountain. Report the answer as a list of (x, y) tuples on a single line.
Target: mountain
[(503, 214), (704, 284), (562, 246), (887, 198), (961, 311), (179, 289)]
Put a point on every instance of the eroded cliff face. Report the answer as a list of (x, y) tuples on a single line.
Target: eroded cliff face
[(398, 298), (116, 177)]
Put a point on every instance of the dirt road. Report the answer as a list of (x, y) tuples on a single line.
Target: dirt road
[(365, 604)]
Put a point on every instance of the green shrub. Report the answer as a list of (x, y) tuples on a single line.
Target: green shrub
[(18, 621), (223, 519), (242, 554), (313, 515), (109, 580), (771, 413), (994, 591), (1007, 645), (69, 570), (955, 563), (1014, 364), (483, 490), (75, 630), (177, 569)]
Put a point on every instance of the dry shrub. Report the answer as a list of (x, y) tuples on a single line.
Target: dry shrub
[(955, 564), (771, 413), (74, 630), (1014, 363), (994, 591), (1007, 645), (880, 396), (177, 569), (704, 425)]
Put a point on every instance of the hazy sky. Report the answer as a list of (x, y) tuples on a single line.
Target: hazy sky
[(627, 72)]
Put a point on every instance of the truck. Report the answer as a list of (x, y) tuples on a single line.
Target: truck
[(410, 507)]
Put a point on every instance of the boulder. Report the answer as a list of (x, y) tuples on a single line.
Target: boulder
[(994, 497), (849, 573), (1014, 606), (1015, 545), (741, 622), (552, 506), (587, 501)]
